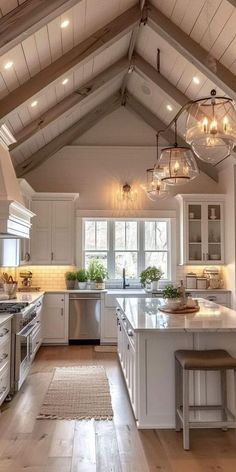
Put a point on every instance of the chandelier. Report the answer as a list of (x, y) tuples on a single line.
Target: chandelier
[(177, 164), (211, 127), (155, 188)]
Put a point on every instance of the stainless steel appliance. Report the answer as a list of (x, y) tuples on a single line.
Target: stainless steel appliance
[(84, 318), (26, 338)]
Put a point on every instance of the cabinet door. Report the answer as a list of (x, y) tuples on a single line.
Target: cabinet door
[(62, 237), (195, 239), (109, 326), (54, 319), (41, 233), (215, 233)]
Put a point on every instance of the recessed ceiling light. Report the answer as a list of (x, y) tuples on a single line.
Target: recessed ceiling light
[(65, 81), (34, 103), (65, 23), (169, 107), (8, 65), (196, 80)]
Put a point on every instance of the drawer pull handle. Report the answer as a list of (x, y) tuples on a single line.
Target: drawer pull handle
[(3, 389), (212, 299), (4, 332), (3, 357)]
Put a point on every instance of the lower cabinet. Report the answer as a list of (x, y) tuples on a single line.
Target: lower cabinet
[(55, 318), (108, 325), (127, 355), (5, 358), (217, 296)]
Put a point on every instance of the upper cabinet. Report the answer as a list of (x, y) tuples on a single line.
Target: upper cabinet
[(52, 237), (201, 229)]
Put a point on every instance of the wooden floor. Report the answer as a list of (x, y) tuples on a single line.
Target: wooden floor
[(31, 445)]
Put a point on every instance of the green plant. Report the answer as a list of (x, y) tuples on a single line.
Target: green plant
[(81, 275), (71, 275), (96, 270), (150, 274), (171, 292)]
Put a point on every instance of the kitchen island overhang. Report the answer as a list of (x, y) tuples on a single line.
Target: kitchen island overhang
[(147, 340)]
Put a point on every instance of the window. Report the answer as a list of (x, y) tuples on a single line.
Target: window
[(130, 244)]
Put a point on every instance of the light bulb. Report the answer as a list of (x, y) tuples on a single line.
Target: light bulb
[(176, 167), (205, 124), (225, 123), (213, 127)]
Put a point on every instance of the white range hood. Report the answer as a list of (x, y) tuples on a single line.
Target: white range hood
[(15, 219)]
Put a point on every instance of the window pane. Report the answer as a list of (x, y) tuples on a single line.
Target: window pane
[(89, 235), (126, 235), (101, 235), (158, 259), (150, 235), (131, 235), (127, 260), (102, 256), (119, 235), (161, 235)]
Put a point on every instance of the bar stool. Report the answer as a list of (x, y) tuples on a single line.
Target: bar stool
[(190, 360)]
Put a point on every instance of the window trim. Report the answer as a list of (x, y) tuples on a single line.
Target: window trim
[(171, 260)]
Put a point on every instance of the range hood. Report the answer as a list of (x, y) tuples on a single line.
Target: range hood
[(15, 218)]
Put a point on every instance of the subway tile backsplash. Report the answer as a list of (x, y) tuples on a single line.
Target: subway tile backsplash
[(46, 277)]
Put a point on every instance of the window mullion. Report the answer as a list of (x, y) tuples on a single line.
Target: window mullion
[(141, 252), (111, 252)]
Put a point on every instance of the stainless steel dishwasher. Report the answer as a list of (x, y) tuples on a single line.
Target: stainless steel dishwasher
[(84, 318)]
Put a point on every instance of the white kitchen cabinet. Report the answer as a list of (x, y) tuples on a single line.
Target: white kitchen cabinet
[(52, 239), (5, 359), (217, 296), (55, 318), (127, 356), (202, 229)]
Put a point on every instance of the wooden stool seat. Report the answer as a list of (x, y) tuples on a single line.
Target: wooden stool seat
[(189, 360), (215, 359)]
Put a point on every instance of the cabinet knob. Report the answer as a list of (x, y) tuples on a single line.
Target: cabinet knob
[(130, 332)]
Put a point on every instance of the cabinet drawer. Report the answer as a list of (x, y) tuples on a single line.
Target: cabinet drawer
[(5, 353), (216, 297), (5, 332), (4, 383)]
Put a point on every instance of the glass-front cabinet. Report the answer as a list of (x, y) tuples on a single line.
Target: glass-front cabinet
[(201, 229)]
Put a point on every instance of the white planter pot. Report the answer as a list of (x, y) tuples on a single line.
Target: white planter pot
[(82, 285), (154, 285), (173, 303)]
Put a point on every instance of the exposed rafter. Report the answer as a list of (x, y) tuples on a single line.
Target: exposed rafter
[(143, 67), (70, 101), (153, 121), (69, 135), (80, 54), (27, 18), (192, 51)]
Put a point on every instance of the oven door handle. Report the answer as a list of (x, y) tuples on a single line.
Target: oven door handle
[(26, 331)]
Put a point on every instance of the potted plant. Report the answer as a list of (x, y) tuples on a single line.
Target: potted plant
[(82, 278), (173, 296), (71, 278), (97, 273), (151, 275)]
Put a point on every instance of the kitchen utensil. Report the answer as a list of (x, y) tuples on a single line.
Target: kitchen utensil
[(10, 289)]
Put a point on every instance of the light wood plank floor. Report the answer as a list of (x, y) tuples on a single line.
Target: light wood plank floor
[(31, 445)]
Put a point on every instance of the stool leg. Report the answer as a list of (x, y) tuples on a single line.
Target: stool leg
[(186, 409), (223, 396), (177, 394)]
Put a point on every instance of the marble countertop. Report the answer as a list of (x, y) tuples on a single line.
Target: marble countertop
[(143, 314), (28, 297), (5, 317)]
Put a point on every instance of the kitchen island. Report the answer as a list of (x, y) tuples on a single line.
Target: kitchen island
[(147, 340)]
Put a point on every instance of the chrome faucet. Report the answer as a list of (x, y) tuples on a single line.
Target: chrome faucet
[(124, 280)]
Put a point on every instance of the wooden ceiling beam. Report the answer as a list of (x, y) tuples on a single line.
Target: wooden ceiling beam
[(144, 68), (80, 54), (192, 51), (69, 135), (70, 101), (27, 18), (153, 121)]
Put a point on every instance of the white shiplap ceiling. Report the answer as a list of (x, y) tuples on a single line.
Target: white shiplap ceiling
[(210, 23)]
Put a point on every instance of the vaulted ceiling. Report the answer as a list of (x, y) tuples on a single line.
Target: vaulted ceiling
[(56, 83)]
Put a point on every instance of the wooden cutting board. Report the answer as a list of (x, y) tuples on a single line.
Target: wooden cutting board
[(180, 311)]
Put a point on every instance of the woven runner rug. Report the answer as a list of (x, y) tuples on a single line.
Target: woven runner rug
[(78, 393)]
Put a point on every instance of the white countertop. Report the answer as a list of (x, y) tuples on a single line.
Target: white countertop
[(29, 297), (143, 315), (5, 317)]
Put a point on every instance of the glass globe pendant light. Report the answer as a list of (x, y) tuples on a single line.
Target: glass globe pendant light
[(155, 188), (211, 128), (177, 163)]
